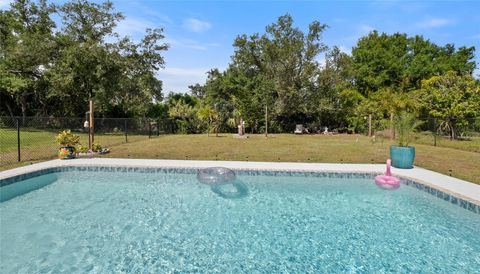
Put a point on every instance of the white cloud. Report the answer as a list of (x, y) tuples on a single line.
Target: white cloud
[(366, 28), (189, 44), (178, 79), (163, 18), (133, 27), (196, 25), (434, 22)]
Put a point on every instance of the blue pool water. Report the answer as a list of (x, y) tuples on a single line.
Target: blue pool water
[(106, 222)]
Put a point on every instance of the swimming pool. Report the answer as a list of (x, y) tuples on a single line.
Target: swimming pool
[(134, 220)]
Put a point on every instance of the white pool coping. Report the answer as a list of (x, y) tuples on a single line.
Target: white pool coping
[(457, 187)]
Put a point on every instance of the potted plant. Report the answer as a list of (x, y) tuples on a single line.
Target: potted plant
[(403, 155), (68, 141)]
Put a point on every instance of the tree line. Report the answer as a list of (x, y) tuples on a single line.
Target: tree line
[(275, 78), (54, 70)]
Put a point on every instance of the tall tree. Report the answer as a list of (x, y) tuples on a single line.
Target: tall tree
[(324, 105), (399, 62), (116, 75), (137, 65), (84, 61), (26, 51), (453, 99), (197, 90), (284, 59)]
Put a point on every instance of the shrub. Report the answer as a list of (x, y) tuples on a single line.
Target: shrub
[(82, 149), (67, 138), (96, 147)]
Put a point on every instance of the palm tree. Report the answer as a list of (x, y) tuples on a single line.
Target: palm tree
[(209, 116)]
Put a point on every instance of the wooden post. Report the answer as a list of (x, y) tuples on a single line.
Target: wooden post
[(369, 125), (392, 128), (125, 126), (266, 121), (91, 128), (149, 129)]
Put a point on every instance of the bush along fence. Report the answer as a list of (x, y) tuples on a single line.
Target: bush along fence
[(24, 139)]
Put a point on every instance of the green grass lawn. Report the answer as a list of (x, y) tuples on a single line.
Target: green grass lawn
[(304, 148), (459, 158), (471, 144)]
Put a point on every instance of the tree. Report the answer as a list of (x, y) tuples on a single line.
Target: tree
[(399, 62), (324, 106), (45, 71), (453, 99), (218, 95), (184, 115), (284, 62), (135, 67), (208, 115), (86, 21), (112, 74), (183, 108), (197, 90), (84, 68), (26, 50)]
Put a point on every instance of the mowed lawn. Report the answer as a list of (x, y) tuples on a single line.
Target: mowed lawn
[(459, 163), (459, 158)]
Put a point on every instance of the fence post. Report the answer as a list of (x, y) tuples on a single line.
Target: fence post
[(126, 138), (392, 128), (369, 125), (149, 129), (18, 138), (434, 131), (158, 127)]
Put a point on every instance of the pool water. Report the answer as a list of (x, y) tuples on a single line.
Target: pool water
[(106, 222)]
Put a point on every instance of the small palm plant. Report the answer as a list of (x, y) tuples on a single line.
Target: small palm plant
[(405, 125), (403, 155), (210, 117)]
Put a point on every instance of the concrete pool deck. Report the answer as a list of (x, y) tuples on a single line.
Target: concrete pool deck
[(457, 187)]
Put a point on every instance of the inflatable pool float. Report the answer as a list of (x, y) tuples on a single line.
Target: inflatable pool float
[(387, 181), (223, 182), (215, 176)]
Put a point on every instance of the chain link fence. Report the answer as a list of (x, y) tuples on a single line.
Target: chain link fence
[(25, 139), (461, 134), (28, 139)]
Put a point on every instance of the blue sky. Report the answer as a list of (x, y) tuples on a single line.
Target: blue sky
[(201, 33)]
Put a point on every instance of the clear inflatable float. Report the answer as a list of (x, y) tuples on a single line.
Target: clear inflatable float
[(222, 182)]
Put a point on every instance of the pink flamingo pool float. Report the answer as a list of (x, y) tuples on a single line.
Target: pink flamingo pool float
[(387, 181)]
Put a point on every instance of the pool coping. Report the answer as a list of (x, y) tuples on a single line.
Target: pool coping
[(453, 186)]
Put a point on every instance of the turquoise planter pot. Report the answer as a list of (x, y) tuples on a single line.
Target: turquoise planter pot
[(402, 157)]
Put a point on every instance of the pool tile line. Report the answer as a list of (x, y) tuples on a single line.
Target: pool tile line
[(422, 186)]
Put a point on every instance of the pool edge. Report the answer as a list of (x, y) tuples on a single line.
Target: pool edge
[(454, 197)]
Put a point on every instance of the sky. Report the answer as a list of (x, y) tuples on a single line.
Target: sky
[(201, 33)]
